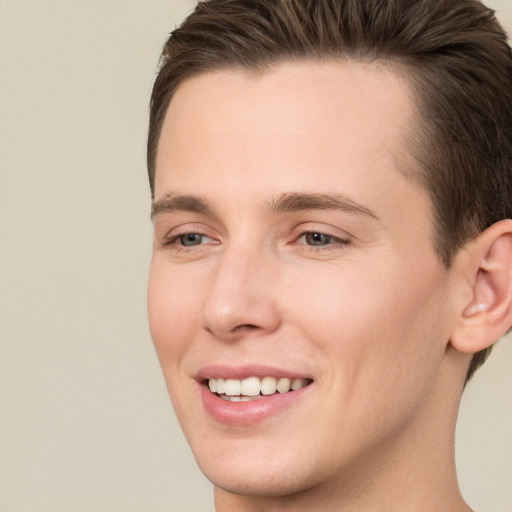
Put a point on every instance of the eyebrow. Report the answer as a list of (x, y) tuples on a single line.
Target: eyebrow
[(285, 203), (296, 201), (175, 203)]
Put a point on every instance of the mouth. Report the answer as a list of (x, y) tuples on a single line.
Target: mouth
[(254, 388), (246, 395)]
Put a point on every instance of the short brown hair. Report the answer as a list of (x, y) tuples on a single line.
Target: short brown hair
[(458, 61)]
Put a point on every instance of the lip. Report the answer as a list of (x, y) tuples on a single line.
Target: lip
[(252, 412)]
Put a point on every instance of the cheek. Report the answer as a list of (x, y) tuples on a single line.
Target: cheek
[(380, 343), (377, 324), (173, 311)]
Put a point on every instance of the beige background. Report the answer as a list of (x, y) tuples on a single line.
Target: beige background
[(85, 423)]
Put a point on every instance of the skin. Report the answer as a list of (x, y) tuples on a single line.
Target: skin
[(368, 315)]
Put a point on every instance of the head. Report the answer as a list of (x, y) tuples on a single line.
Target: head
[(330, 183), (454, 53)]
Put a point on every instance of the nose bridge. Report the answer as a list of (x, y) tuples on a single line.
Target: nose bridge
[(241, 293)]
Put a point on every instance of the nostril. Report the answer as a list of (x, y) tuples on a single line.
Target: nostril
[(239, 329), (245, 327)]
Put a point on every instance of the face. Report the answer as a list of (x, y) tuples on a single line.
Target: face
[(291, 250)]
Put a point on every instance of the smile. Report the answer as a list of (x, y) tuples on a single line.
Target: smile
[(248, 395), (254, 388)]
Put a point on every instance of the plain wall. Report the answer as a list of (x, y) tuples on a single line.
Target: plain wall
[(85, 421)]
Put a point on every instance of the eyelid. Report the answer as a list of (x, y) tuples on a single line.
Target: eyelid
[(336, 244), (340, 239), (172, 235), (174, 238), (170, 239), (331, 231), (328, 235)]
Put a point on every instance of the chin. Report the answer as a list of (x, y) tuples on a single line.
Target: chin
[(263, 482), (259, 472)]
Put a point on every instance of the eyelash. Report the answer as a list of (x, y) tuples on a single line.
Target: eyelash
[(336, 241), (171, 240)]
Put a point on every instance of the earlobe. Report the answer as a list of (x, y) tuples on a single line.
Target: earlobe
[(488, 314)]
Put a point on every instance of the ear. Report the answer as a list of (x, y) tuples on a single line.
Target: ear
[(488, 314)]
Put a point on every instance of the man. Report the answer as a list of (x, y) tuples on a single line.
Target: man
[(331, 187)]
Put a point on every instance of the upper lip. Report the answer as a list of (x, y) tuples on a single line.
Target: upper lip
[(220, 371)]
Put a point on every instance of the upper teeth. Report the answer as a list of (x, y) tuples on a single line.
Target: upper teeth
[(253, 386)]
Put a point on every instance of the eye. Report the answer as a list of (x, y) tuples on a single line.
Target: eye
[(182, 241), (191, 239), (316, 239)]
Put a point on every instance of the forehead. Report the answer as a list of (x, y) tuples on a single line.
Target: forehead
[(360, 106), (314, 126)]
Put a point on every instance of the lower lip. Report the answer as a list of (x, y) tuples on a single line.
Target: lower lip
[(248, 413)]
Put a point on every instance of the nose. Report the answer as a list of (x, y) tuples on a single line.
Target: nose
[(242, 297)]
